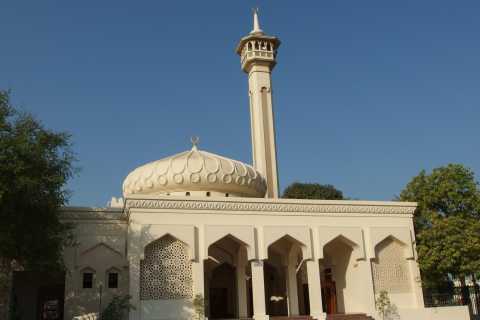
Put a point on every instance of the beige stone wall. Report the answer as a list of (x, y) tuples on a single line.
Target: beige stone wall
[(100, 249), (351, 229)]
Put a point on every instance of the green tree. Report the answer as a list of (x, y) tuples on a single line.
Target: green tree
[(299, 190), (447, 222), (35, 164), (118, 308)]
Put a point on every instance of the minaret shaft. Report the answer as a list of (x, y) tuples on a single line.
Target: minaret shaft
[(258, 53), (262, 126)]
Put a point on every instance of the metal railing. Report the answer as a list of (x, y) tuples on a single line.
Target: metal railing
[(455, 297)]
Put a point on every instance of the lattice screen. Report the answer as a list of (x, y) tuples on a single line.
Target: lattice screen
[(166, 271), (390, 269)]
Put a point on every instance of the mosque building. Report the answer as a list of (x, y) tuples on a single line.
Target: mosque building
[(200, 225)]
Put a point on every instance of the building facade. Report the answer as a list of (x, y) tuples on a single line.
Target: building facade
[(197, 224)]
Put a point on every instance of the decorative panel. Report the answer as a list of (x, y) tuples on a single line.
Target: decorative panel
[(390, 269), (166, 271)]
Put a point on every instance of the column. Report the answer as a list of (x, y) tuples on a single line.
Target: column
[(134, 254), (198, 273), (134, 287), (315, 289), (370, 286), (198, 278), (241, 283), (416, 283), (258, 288), (292, 289), (416, 278)]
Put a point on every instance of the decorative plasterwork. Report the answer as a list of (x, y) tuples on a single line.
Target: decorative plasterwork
[(378, 234), (261, 207), (184, 233), (390, 271), (195, 170)]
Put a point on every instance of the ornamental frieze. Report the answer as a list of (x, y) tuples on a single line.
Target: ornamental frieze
[(262, 207)]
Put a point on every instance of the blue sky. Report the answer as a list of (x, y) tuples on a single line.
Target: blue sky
[(367, 93)]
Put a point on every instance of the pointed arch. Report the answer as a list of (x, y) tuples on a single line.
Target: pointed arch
[(243, 235), (300, 234), (401, 234), (351, 236), (183, 233)]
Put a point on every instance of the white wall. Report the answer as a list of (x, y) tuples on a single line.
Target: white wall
[(246, 219), (441, 313), (166, 309), (100, 247)]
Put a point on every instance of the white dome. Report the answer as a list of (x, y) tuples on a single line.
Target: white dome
[(195, 172)]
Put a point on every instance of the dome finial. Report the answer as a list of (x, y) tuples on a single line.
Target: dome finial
[(256, 23), (195, 140)]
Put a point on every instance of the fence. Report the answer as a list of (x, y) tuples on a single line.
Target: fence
[(455, 297)]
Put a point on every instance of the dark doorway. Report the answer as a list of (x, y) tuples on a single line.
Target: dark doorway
[(223, 292), (38, 295), (275, 291), (329, 293)]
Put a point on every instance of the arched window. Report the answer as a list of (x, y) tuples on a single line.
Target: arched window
[(112, 278), (166, 271), (390, 268), (87, 278), (249, 46)]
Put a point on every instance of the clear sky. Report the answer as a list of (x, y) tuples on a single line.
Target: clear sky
[(366, 93)]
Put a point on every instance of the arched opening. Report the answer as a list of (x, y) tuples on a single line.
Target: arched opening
[(226, 279), (285, 279), (337, 276)]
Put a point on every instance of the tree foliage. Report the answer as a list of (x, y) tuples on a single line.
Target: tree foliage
[(299, 190), (35, 164), (118, 308), (447, 220)]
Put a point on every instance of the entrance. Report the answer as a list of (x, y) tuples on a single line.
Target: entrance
[(329, 293), (338, 276), (226, 279), (222, 292), (38, 296)]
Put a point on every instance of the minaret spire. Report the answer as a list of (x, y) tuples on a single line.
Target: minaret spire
[(256, 23), (258, 53)]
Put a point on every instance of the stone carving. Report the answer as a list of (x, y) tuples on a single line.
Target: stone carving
[(262, 207), (166, 271), (390, 269)]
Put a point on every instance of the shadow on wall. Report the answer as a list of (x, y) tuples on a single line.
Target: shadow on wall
[(99, 251), (35, 292)]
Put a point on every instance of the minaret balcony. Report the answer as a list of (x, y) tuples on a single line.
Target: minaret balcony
[(254, 55), (257, 47)]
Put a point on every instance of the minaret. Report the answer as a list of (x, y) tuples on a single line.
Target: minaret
[(258, 52)]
